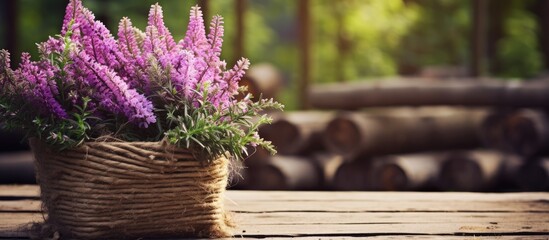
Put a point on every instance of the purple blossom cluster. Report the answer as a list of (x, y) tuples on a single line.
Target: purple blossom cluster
[(120, 75)]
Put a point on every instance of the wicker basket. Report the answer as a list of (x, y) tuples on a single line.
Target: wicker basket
[(131, 190)]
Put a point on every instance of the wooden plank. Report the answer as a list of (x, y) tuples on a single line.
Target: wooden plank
[(20, 205), (473, 229), (19, 191), (384, 215), (386, 196), (244, 206), (236, 195), (445, 237), (288, 224), (327, 218), (350, 206)]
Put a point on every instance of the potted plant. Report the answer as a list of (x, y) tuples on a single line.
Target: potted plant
[(133, 135)]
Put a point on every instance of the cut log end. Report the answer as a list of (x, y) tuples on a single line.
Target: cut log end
[(283, 134), (461, 173), (342, 136), (267, 177), (525, 132), (284, 173), (534, 176), (392, 178), (353, 176)]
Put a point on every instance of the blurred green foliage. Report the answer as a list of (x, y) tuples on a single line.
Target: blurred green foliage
[(439, 36), (518, 52), (351, 39)]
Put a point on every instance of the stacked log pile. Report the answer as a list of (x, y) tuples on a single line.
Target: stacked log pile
[(411, 135)]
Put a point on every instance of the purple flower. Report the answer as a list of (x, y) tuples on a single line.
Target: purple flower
[(112, 93), (156, 20), (126, 39), (72, 12), (117, 73), (195, 37), (39, 85), (5, 68), (215, 38), (52, 45), (130, 56), (233, 76)]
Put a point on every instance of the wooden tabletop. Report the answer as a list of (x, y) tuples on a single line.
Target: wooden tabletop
[(379, 215)]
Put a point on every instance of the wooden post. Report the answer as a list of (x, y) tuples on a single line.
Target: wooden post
[(304, 20), (240, 10), (11, 21), (471, 171), (478, 42), (343, 42), (541, 10), (205, 7), (296, 132)]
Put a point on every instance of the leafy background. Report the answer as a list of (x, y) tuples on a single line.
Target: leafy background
[(352, 39)]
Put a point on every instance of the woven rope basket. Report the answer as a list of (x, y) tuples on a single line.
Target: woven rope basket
[(106, 190)]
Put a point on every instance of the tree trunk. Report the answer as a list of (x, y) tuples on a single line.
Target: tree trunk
[(471, 171), (263, 80), (534, 176), (296, 132), (363, 134), (407, 172), (17, 168), (524, 132), (423, 93), (328, 165), (353, 176), (284, 173)]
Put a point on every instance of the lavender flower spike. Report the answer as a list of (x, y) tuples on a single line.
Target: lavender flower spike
[(40, 88), (195, 37), (233, 76), (113, 93), (156, 19), (126, 39), (5, 62), (72, 12), (215, 38)]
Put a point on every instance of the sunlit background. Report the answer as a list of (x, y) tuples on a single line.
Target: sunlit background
[(325, 41), (350, 39)]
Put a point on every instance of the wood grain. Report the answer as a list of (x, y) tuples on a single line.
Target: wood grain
[(337, 215)]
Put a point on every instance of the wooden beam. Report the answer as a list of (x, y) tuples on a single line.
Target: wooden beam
[(408, 92), (205, 7), (541, 9), (240, 9), (304, 21), (11, 17), (478, 38)]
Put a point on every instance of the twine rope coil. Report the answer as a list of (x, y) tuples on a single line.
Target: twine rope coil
[(131, 190)]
